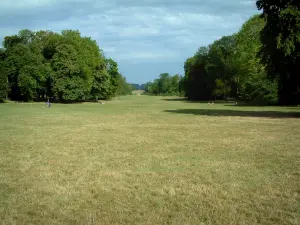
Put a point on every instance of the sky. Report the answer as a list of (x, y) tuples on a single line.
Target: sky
[(145, 37)]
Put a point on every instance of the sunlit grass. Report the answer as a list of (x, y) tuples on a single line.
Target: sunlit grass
[(149, 160)]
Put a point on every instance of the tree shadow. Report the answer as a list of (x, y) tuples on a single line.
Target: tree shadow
[(261, 105), (224, 112), (174, 99), (186, 100)]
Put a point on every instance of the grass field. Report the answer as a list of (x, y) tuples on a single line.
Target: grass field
[(149, 160)]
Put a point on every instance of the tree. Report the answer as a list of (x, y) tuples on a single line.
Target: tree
[(164, 85), (152, 87), (19, 56), (221, 67), (174, 87), (280, 50), (112, 69), (68, 66), (231, 67), (251, 77), (222, 88), (136, 87), (4, 88), (27, 81), (11, 41), (101, 88), (198, 84), (124, 87), (70, 80)]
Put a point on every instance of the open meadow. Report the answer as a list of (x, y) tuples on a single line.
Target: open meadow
[(149, 160)]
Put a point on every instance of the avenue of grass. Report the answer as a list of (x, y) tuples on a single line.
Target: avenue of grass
[(149, 160)]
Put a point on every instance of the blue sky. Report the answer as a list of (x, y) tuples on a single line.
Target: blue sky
[(146, 38)]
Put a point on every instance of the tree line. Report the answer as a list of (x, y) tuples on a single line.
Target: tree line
[(166, 84), (64, 66), (230, 67), (258, 64), (137, 86)]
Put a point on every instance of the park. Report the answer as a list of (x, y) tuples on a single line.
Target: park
[(142, 159), (150, 112)]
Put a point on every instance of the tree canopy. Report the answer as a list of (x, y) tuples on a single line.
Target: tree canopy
[(66, 66), (164, 85), (257, 64), (280, 49)]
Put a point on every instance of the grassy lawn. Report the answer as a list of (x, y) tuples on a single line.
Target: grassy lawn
[(149, 160)]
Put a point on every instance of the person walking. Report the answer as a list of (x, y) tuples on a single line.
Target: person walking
[(48, 103)]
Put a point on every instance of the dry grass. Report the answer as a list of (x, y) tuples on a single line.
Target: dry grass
[(138, 92), (144, 160)]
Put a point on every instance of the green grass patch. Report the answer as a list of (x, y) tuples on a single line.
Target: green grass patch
[(149, 160)]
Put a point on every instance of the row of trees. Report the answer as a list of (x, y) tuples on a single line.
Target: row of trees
[(138, 87), (229, 67), (164, 85), (259, 63), (67, 66)]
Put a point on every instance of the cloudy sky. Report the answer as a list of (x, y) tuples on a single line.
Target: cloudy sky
[(145, 37)]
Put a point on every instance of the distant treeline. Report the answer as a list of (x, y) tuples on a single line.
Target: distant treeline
[(166, 84), (258, 64), (64, 66), (138, 87)]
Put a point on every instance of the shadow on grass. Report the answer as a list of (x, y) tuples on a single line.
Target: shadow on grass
[(69, 102), (224, 112), (253, 105), (174, 99), (186, 100)]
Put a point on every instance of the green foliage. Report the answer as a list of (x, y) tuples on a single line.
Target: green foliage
[(28, 80), (280, 49), (253, 82), (66, 66), (164, 85), (222, 88), (4, 88), (112, 69), (71, 82), (207, 65), (136, 87), (101, 88), (124, 87), (258, 88), (252, 65)]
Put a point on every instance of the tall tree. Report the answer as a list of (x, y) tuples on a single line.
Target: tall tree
[(112, 69), (66, 65), (4, 87), (124, 87), (251, 75), (164, 85), (70, 80), (280, 50), (198, 85), (221, 66)]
